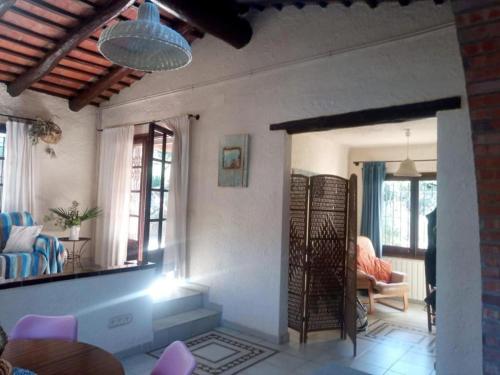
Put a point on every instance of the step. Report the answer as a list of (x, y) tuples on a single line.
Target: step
[(184, 326), (179, 301)]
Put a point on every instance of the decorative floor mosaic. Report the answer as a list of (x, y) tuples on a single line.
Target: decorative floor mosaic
[(217, 353), (384, 330)]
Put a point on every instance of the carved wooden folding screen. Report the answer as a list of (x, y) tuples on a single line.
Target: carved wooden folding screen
[(297, 256), (317, 253), (351, 265)]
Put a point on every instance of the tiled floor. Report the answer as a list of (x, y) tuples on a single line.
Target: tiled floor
[(394, 351)]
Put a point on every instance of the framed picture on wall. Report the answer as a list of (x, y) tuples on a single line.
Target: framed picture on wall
[(233, 160)]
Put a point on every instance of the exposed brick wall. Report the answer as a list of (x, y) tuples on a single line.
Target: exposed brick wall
[(478, 26)]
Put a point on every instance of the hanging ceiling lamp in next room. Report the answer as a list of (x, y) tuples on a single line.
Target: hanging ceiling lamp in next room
[(407, 167), (145, 44)]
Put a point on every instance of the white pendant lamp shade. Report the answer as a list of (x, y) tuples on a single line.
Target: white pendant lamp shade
[(407, 167), (145, 44)]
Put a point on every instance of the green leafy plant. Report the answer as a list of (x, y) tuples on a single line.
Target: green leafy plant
[(70, 217)]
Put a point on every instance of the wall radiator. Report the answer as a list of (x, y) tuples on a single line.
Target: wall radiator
[(415, 275)]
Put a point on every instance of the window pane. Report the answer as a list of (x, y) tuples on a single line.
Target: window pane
[(427, 201), (155, 205), (156, 178), (137, 155), (166, 184), (163, 233), (135, 201), (158, 146), (133, 228), (168, 151), (165, 204), (2, 145), (135, 183), (153, 235), (396, 213)]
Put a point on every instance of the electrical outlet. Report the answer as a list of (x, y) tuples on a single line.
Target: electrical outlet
[(120, 320)]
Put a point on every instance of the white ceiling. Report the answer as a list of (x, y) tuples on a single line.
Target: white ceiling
[(422, 132)]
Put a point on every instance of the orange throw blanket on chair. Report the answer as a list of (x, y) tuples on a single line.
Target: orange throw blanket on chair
[(371, 265)]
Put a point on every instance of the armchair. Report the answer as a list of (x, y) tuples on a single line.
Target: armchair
[(377, 289), (46, 257)]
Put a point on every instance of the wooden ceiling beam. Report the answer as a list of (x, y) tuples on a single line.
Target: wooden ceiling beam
[(48, 92), (219, 18), (89, 25), (76, 8), (27, 36), (5, 6), (115, 75), (49, 12), (263, 4), (35, 23)]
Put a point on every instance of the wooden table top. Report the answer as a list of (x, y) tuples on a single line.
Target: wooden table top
[(50, 357)]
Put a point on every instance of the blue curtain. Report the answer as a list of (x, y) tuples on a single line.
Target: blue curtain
[(371, 215)]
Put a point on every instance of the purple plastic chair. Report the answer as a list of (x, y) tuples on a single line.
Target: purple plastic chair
[(33, 327), (175, 360)]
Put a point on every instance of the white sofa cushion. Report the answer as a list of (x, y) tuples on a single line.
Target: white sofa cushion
[(22, 239)]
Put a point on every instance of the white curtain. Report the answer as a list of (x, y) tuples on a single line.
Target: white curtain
[(175, 242), (114, 195), (18, 170)]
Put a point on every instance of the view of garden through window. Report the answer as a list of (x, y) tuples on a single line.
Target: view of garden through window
[(396, 211)]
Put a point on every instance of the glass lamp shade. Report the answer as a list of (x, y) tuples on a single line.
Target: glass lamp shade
[(407, 168), (145, 44)]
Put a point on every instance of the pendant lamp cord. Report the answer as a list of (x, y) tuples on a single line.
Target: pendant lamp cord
[(407, 131)]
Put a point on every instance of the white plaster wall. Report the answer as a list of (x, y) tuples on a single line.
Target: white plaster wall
[(319, 155), (417, 151), (70, 176), (304, 64), (93, 306), (459, 338)]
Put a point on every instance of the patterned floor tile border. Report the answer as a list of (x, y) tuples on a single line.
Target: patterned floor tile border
[(388, 331), (218, 353)]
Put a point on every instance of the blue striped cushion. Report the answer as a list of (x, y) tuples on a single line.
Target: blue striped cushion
[(14, 265)]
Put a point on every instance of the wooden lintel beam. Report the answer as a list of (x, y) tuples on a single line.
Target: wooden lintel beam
[(83, 31), (219, 18), (115, 75), (5, 5), (399, 113)]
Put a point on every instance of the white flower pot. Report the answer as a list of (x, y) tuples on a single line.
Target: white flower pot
[(74, 233)]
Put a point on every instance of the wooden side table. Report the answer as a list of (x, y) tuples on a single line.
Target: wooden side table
[(76, 252)]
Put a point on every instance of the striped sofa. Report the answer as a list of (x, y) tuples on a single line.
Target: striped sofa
[(46, 257)]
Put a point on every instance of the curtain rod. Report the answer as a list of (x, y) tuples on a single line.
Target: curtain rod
[(191, 116), (358, 162), (17, 117)]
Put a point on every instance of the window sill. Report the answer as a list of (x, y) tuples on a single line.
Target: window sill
[(403, 252)]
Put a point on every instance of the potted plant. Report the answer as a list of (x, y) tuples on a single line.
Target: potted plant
[(72, 218)]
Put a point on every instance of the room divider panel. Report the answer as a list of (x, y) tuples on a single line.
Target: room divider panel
[(350, 328), (317, 259), (299, 208)]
